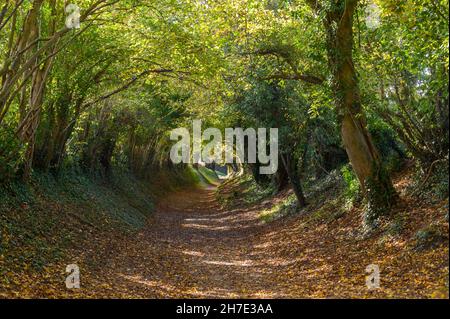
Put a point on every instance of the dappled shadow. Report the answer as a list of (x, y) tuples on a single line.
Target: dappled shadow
[(202, 250), (194, 248)]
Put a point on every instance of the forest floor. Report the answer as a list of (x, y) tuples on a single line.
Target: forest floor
[(195, 247)]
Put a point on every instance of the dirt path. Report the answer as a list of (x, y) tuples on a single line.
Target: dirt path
[(192, 248)]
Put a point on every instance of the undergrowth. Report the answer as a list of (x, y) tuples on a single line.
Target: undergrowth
[(283, 208), (245, 191), (431, 184)]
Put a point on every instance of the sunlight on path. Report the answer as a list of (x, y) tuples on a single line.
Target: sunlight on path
[(193, 248)]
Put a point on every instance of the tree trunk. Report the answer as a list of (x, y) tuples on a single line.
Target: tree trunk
[(294, 179), (281, 178), (364, 158)]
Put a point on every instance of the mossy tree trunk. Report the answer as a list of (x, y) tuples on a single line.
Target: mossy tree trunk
[(363, 155)]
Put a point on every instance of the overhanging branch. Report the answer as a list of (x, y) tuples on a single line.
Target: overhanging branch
[(300, 77)]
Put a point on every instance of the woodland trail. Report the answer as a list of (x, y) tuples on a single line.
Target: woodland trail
[(193, 248)]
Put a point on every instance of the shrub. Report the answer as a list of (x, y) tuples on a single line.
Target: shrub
[(351, 189)]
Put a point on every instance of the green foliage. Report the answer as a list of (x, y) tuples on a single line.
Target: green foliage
[(352, 188), (440, 181), (409, 92), (246, 191), (284, 208), (380, 196), (11, 154), (431, 184)]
